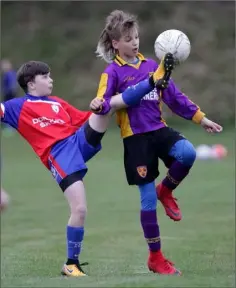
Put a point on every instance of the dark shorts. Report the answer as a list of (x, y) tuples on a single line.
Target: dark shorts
[(142, 151), (68, 157)]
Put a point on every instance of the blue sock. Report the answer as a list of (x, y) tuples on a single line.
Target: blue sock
[(148, 196), (148, 216), (75, 237), (133, 94)]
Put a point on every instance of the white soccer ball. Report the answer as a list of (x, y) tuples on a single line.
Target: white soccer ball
[(175, 42)]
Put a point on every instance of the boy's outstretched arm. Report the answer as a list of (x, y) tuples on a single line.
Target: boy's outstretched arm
[(133, 94), (181, 105)]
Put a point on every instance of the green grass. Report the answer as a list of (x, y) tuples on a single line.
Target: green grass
[(33, 228)]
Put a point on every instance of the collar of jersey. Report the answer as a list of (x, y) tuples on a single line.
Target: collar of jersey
[(122, 62), (36, 97)]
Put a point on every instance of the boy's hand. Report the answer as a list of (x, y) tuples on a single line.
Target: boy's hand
[(210, 126), (96, 105)]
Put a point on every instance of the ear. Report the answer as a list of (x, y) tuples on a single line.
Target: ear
[(114, 44), (30, 85)]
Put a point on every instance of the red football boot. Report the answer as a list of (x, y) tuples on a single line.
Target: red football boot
[(157, 263), (169, 202)]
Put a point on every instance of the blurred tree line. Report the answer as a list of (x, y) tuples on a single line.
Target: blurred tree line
[(65, 35)]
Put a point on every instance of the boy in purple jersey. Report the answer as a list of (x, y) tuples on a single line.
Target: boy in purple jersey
[(146, 136), (65, 138)]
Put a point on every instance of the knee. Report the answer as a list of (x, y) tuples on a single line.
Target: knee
[(188, 153), (184, 152), (79, 211)]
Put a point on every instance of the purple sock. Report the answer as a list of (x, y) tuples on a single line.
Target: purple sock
[(177, 172), (75, 237), (151, 229)]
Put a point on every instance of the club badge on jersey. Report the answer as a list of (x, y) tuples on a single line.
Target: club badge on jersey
[(55, 108)]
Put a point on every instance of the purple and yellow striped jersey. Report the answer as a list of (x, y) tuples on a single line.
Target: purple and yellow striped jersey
[(147, 115)]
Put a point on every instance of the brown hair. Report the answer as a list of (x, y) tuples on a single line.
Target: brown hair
[(117, 23), (28, 71)]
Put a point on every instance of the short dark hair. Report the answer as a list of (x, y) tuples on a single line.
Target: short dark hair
[(29, 70)]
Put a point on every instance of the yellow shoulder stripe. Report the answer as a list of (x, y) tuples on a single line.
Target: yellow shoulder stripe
[(102, 86)]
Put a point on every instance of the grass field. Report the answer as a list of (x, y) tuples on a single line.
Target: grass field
[(33, 229)]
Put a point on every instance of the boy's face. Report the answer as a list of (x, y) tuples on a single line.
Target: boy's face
[(128, 45), (41, 86)]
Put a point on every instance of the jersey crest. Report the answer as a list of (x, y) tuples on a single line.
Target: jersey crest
[(142, 171), (55, 108)]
